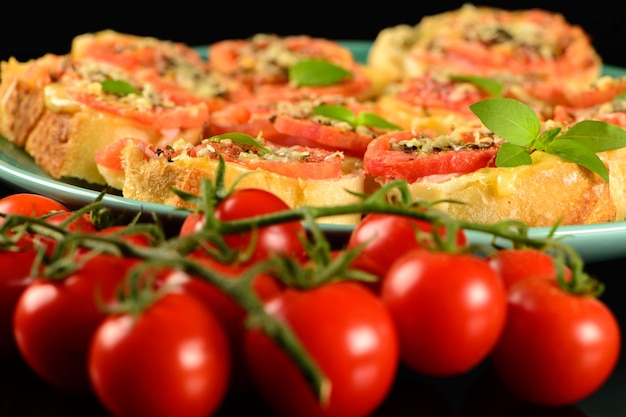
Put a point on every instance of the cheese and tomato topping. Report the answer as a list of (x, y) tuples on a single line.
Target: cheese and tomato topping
[(403, 155)]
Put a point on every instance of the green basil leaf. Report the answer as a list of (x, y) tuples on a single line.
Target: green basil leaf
[(597, 135), (317, 72), (118, 87), (508, 118), (374, 120), (510, 155), (241, 139), (488, 85), (574, 151), (337, 112)]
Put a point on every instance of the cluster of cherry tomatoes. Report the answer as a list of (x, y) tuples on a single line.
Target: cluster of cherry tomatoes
[(315, 330)]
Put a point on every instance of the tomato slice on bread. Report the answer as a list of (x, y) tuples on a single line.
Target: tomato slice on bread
[(404, 155)]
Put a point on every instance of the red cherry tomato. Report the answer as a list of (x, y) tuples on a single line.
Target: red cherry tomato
[(82, 223), (283, 238), (386, 237), (351, 336), (450, 310), (557, 347), (27, 204), (170, 360), (54, 319), (230, 314), (16, 276), (516, 264)]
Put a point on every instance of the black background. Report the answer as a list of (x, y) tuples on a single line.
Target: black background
[(28, 30)]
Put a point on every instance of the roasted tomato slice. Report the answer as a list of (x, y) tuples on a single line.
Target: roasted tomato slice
[(403, 155)]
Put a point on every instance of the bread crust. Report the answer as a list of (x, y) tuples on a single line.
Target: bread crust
[(65, 144), (22, 94)]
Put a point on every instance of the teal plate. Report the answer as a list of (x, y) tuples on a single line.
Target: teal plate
[(595, 242)]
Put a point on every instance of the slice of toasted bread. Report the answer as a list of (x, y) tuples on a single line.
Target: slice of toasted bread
[(22, 93), (80, 117), (151, 177)]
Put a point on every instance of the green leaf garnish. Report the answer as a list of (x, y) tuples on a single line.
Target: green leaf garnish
[(510, 155), (344, 114), (241, 139), (374, 120), (337, 112), (488, 85), (317, 72), (596, 135), (508, 118), (519, 125), (118, 87), (573, 151)]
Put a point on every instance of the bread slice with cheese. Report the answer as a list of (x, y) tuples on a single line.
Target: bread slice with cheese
[(548, 191), (299, 175), (523, 46), (22, 100), (62, 117)]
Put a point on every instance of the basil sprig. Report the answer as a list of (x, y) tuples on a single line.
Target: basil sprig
[(519, 125), (344, 114)]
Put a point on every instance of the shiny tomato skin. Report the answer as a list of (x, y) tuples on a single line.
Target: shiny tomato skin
[(230, 314), (283, 238), (28, 204), (171, 360), (55, 318), (386, 237), (557, 348), (15, 277), (449, 309), (331, 321), (519, 263)]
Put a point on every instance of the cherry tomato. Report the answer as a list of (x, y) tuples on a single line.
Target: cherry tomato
[(81, 223), (230, 315), (450, 310), (515, 264), (348, 333), (54, 319), (170, 360), (133, 237), (283, 238), (386, 237), (16, 276), (557, 347), (27, 204)]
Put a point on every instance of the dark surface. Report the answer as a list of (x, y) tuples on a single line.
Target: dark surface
[(28, 30)]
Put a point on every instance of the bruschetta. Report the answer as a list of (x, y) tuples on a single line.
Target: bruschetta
[(525, 46), (457, 172), (299, 175)]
